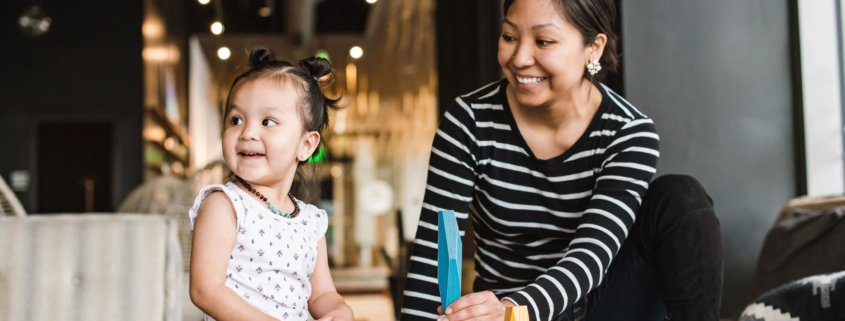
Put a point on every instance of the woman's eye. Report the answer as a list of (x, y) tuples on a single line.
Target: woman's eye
[(236, 120), (543, 43), (269, 122), (507, 37)]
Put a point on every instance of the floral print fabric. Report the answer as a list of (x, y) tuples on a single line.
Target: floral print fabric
[(273, 257)]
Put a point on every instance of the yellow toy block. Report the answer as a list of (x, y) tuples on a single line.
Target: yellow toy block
[(516, 313)]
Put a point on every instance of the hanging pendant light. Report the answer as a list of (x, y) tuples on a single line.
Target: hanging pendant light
[(267, 9), (34, 21), (217, 25)]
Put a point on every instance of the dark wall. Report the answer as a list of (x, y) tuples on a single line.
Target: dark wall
[(715, 76), (87, 68), (467, 37)]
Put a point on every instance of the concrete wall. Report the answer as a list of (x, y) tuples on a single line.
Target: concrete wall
[(715, 76)]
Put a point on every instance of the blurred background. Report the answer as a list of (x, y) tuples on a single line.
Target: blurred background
[(115, 107)]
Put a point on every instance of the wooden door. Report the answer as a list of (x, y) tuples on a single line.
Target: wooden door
[(74, 167)]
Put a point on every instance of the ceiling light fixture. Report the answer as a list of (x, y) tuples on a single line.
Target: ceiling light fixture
[(267, 9), (356, 52), (34, 21), (217, 28), (224, 53)]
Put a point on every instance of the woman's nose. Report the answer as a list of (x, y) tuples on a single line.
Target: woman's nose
[(522, 56)]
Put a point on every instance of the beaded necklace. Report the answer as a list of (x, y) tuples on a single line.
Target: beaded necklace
[(270, 205)]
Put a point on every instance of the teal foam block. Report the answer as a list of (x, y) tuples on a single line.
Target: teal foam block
[(449, 255)]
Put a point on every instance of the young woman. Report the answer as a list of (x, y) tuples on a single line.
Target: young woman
[(554, 171)]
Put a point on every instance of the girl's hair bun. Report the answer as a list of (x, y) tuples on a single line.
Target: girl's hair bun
[(316, 67), (260, 56)]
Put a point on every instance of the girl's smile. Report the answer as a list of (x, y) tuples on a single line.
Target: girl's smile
[(250, 155), (265, 132)]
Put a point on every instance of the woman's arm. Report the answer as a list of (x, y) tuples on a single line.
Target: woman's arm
[(325, 303), (450, 185), (214, 237), (626, 170)]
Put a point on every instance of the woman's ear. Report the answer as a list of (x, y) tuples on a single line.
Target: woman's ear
[(308, 145), (596, 48)]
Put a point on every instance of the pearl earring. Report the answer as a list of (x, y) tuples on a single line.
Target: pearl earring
[(593, 67)]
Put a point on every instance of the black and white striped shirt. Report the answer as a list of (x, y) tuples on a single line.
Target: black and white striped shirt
[(546, 230)]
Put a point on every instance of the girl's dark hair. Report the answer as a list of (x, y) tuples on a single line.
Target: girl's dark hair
[(591, 17), (311, 76)]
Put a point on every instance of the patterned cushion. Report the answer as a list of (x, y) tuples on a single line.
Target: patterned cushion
[(90, 267), (813, 298)]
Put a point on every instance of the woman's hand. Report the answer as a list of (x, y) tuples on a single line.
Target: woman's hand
[(478, 306)]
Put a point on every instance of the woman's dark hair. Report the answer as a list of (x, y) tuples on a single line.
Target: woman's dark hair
[(591, 17), (312, 76)]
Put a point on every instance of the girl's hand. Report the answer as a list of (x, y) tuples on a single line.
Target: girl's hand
[(339, 314), (478, 306)]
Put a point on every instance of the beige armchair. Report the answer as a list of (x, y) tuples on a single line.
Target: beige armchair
[(90, 267)]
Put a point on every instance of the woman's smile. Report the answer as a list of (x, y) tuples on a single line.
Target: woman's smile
[(529, 80)]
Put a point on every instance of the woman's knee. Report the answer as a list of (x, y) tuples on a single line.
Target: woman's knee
[(678, 193)]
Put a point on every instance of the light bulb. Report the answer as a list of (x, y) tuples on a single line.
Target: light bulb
[(34, 22), (217, 28), (224, 53), (356, 52), (204, 2)]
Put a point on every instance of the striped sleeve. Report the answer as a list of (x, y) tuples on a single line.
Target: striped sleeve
[(449, 186), (627, 168)]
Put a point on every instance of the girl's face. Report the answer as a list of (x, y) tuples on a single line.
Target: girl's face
[(542, 54), (265, 138)]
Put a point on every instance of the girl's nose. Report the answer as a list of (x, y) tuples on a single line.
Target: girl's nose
[(249, 132)]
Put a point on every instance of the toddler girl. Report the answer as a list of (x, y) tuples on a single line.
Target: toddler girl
[(258, 252)]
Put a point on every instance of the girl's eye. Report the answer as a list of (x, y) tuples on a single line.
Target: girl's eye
[(507, 37), (236, 120), (543, 43), (269, 122)]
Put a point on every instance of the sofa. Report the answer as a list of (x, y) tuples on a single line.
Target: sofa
[(93, 266)]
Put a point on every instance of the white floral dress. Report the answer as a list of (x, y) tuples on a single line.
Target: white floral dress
[(273, 257)]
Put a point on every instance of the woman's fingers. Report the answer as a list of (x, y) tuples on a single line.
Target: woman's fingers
[(471, 300), (476, 306)]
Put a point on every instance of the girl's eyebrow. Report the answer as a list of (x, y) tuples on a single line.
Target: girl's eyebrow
[(263, 109), (271, 108), (534, 27)]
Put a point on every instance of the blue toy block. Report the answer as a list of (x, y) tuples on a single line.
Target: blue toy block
[(449, 255)]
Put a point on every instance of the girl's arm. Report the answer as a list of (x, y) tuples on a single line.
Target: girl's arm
[(215, 231), (325, 303)]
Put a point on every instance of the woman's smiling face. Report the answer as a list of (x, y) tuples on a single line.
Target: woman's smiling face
[(541, 54)]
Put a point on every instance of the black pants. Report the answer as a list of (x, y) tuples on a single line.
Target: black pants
[(671, 263)]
